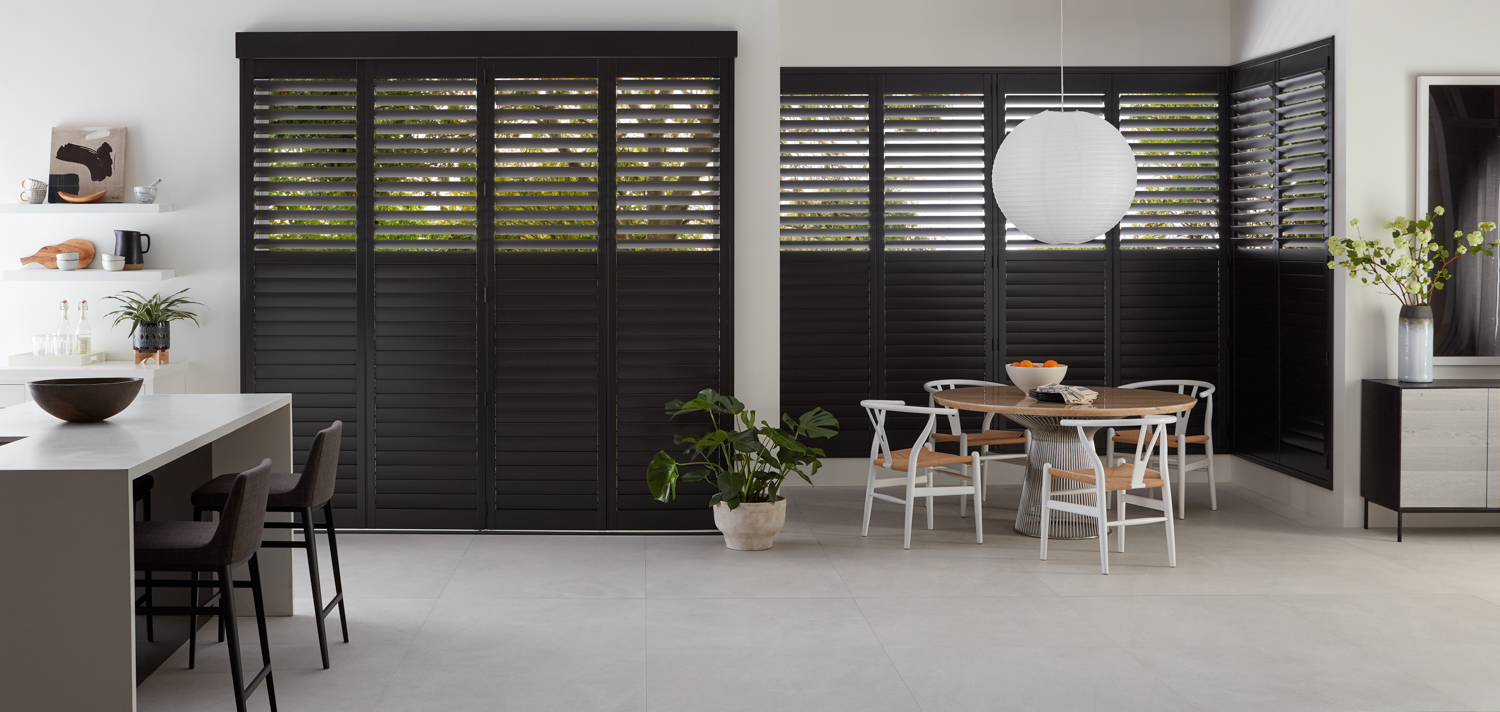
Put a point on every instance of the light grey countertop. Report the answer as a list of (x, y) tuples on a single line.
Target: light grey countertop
[(153, 431)]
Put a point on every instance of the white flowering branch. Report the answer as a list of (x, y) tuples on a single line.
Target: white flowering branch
[(1414, 265)]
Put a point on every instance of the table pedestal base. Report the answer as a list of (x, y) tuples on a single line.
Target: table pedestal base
[(1058, 446)]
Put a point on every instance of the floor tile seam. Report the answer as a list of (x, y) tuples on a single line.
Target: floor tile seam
[(887, 653), (454, 570)]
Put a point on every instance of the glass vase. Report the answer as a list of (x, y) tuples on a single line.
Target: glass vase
[(1414, 344)]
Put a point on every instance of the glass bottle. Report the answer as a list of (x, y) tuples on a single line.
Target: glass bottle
[(84, 332), (62, 336)]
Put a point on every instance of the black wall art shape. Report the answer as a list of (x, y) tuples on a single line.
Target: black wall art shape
[(96, 155)]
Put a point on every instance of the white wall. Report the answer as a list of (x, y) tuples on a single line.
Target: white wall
[(1382, 46), (167, 71), (1011, 33)]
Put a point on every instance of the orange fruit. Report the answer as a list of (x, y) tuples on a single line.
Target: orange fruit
[(1050, 364), (1025, 364)]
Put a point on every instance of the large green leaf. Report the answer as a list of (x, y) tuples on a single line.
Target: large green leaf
[(661, 477)]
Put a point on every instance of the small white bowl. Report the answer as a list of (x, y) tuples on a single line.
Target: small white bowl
[(67, 261), (1027, 378), (145, 195), (112, 263)]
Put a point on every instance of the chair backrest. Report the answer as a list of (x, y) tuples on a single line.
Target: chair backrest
[(244, 516), (1155, 425), (316, 484), (1202, 390), (880, 444), (948, 384)]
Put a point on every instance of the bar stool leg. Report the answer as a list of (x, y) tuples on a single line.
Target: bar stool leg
[(333, 551), (310, 535), (226, 611), (260, 624)]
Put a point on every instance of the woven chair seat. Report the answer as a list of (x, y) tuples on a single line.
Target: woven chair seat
[(988, 437), (213, 494), (901, 459), (1133, 436), (1116, 478)]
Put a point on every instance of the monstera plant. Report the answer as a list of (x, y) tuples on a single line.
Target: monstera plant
[(747, 460)]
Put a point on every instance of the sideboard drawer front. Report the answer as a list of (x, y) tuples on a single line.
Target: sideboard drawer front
[(1445, 448)]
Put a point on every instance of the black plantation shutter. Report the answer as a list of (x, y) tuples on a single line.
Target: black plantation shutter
[(1056, 297), (825, 258), (934, 194), (547, 299), (1167, 279), (669, 307), (1282, 137), (302, 336), (495, 271), (427, 454)]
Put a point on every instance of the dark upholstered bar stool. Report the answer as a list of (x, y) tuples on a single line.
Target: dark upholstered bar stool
[(200, 547), (299, 494), (140, 491)]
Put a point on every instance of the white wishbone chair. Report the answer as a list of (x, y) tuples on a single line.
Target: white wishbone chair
[(914, 465), (1179, 439), (1121, 478), (984, 439)]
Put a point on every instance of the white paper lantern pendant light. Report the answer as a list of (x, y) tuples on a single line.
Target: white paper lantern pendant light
[(1064, 177)]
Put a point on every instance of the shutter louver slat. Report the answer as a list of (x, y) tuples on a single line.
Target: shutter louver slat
[(934, 171), (1252, 213), (426, 164), (306, 343), (667, 159), (1171, 162), (427, 445), (304, 158), (825, 171), (1302, 135), (546, 163)]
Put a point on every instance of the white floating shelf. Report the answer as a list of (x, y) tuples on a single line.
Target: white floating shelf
[(33, 274), (86, 208)]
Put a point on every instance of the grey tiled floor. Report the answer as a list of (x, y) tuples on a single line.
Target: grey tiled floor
[(1263, 612)]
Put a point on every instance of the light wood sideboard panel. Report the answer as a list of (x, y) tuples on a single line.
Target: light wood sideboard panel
[(1445, 448)]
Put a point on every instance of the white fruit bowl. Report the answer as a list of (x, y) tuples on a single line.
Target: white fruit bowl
[(1029, 377)]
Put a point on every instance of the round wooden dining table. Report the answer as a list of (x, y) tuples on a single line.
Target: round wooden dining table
[(1059, 446)]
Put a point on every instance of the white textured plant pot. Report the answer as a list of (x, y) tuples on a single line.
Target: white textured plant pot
[(752, 526)]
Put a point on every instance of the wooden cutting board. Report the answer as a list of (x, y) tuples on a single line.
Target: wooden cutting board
[(47, 256)]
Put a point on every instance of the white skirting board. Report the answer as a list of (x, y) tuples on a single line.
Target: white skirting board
[(852, 471)]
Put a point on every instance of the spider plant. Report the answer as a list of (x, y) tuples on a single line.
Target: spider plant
[(139, 309)]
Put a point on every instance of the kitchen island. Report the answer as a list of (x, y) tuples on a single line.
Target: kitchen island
[(67, 623)]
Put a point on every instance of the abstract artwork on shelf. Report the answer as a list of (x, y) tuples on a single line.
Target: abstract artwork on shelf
[(88, 160)]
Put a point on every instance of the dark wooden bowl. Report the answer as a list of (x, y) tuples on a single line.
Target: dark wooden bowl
[(84, 400)]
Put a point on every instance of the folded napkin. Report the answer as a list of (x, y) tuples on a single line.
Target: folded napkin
[(1072, 395)]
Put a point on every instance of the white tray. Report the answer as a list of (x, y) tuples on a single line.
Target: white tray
[(75, 360)]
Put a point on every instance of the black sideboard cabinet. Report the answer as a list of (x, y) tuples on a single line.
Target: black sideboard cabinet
[(1430, 447)]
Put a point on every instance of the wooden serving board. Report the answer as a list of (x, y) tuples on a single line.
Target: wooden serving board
[(47, 256)]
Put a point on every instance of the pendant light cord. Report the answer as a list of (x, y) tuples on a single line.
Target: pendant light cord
[(1062, 87)]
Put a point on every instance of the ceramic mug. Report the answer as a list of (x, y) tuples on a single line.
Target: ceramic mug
[(33, 184), (34, 196), (112, 263), (67, 261)]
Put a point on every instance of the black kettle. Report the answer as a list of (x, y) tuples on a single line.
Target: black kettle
[(128, 244)]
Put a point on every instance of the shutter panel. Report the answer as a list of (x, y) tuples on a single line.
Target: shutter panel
[(1167, 268), (934, 192), (1304, 357), (548, 446), (825, 170), (426, 303), (825, 341), (1056, 296), (302, 289), (1283, 137), (1302, 167), (934, 170), (304, 170), (667, 309), (303, 326)]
